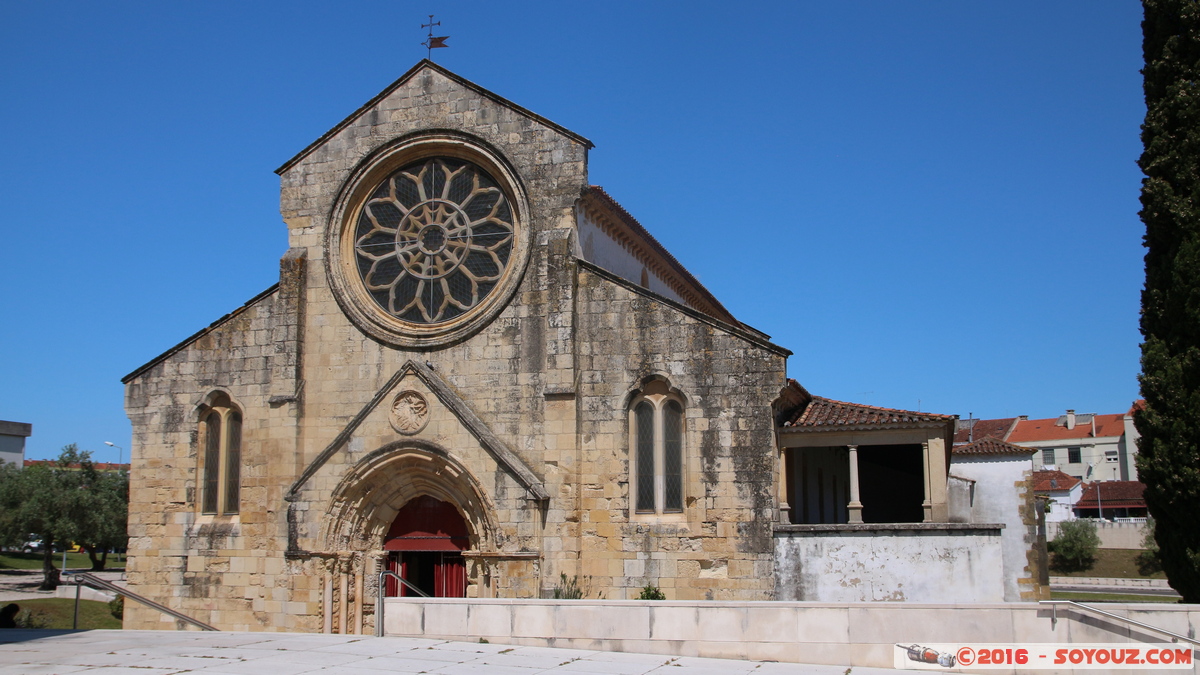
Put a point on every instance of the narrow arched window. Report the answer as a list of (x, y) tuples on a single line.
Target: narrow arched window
[(221, 459), (672, 457), (212, 461), (656, 445), (644, 417), (233, 463)]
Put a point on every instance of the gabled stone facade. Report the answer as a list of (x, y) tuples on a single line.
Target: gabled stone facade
[(521, 413)]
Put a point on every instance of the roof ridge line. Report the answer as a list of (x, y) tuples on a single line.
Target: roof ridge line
[(426, 63), (878, 407)]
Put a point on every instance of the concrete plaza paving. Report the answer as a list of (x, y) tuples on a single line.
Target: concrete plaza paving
[(121, 652)]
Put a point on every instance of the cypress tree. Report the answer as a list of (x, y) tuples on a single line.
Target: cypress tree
[(1169, 451)]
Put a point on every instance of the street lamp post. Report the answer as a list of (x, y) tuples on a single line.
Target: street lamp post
[(1099, 505), (120, 450)]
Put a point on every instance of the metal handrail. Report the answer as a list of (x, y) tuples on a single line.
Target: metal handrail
[(380, 604), (94, 581), (1175, 637)]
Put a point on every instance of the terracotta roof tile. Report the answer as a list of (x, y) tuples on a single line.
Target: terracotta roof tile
[(1114, 493), (102, 467), (823, 412), (980, 429), (1048, 480), (1028, 431), (992, 446)]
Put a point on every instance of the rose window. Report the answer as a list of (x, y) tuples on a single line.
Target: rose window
[(433, 240)]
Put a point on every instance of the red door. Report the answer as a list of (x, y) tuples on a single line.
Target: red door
[(426, 542)]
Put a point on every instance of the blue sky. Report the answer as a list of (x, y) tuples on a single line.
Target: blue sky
[(933, 204)]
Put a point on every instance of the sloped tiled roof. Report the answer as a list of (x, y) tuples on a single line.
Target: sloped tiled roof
[(825, 413), (102, 467), (1052, 479), (1032, 431), (992, 446), (981, 429), (1112, 493)]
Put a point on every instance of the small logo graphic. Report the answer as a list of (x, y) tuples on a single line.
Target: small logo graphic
[(410, 412), (927, 655)]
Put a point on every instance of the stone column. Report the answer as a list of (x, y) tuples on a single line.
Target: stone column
[(855, 506), (327, 596), (358, 596), (343, 573), (926, 461), (785, 479)]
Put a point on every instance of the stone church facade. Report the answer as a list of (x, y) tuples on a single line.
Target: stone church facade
[(480, 372)]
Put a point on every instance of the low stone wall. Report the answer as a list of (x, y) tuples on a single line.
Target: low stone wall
[(1112, 535), (85, 593), (904, 562), (1108, 581), (859, 634)]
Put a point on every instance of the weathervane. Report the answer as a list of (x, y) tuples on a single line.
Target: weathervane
[(431, 43)]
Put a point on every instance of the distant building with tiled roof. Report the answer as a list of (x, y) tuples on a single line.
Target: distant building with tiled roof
[(1051, 480), (970, 430), (1072, 442), (992, 446), (102, 467), (1063, 491), (1112, 499)]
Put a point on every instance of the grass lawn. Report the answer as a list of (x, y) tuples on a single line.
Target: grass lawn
[(1110, 597), (16, 560), (1112, 563), (59, 612)]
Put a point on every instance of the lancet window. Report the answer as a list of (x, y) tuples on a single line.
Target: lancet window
[(221, 457), (656, 422)]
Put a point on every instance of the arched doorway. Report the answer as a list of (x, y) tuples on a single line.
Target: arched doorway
[(425, 545)]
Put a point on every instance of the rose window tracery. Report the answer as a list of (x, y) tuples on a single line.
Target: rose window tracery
[(433, 240)]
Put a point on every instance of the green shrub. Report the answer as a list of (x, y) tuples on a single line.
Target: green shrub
[(28, 618), (651, 592), (1074, 547), (1148, 561), (117, 607)]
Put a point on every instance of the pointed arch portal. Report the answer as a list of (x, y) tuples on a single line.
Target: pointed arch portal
[(425, 545), (418, 509)]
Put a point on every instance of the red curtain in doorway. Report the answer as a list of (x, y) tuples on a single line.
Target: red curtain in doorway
[(425, 543), (450, 576)]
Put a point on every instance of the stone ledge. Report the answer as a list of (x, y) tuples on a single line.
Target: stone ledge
[(778, 528)]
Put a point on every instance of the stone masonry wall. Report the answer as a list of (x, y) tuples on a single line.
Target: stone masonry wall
[(548, 378), (722, 547)]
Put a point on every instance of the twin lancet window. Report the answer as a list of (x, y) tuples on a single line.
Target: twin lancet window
[(221, 440), (656, 441)]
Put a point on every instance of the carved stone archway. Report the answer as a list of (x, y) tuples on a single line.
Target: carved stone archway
[(366, 502)]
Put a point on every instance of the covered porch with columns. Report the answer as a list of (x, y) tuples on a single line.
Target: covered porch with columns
[(847, 463), (863, 513)]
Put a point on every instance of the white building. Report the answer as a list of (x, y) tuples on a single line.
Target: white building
[(982, 476), (12, 441), (1088, 446), (1063, 491)]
